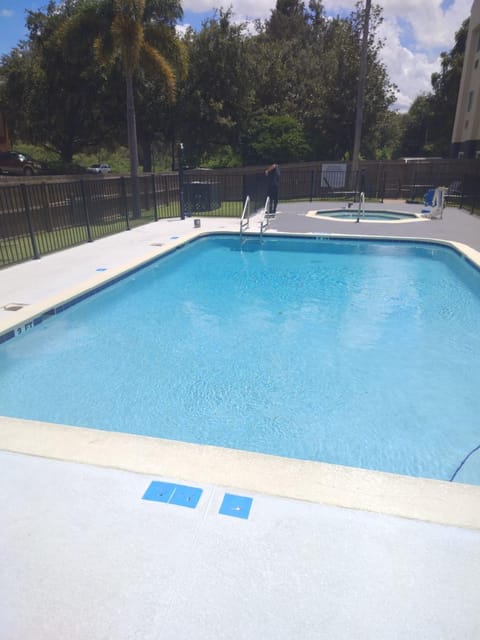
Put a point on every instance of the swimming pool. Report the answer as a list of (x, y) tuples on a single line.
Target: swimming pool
[(368, 215), (353, 352)]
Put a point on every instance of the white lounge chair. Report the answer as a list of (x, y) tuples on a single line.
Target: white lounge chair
[(438, 203)]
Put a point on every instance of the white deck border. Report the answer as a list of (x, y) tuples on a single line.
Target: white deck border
[(404, 496)]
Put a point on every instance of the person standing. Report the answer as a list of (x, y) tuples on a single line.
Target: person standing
[(273, 181)]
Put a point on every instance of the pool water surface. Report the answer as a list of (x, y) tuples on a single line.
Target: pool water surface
[(357, 353)]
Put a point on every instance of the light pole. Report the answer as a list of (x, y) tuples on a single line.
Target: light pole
[(361, 90)]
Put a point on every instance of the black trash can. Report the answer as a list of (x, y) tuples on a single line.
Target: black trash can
[(202, 196)]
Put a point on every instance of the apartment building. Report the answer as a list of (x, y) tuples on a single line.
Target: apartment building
[(466, 129)]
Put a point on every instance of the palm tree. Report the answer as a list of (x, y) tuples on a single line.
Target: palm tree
[(141, 34)]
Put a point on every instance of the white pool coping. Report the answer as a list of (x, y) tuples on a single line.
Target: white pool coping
[(424, 499), (348, 487), (413, 217)]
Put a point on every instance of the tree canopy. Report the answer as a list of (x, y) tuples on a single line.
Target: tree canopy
[(429, 122), (283, 87)]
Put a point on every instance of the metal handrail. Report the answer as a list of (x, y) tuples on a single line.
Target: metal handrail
[(266, 217), (361, 206), (245, 219)]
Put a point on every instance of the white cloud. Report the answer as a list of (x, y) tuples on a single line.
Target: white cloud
[(430, 24), (415, 32), (181, 29), (241, 8), (6, 13), (412, 56), (410, 71)]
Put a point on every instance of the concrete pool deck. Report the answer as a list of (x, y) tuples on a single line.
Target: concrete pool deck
[(83, 555)]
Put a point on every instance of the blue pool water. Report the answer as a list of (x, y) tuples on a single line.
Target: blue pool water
[(351, 352), (349, 214)]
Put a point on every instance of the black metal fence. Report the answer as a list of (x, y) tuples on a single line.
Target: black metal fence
[(37, 218), (43, 217)]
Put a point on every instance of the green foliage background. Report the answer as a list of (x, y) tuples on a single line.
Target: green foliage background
[(283, 91)]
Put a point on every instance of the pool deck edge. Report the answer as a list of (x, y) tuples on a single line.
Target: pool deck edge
[(428, 500)]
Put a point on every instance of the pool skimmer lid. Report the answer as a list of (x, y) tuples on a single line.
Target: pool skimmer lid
[(15, 306)]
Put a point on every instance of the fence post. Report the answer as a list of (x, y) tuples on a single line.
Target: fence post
[(85, 211), (154, 194), (166, 195), (355, 177), (46, 204), (414, 187), (146, 193), (383, 187), (36, 253), (125, 203), (312, 182), (180, 181)]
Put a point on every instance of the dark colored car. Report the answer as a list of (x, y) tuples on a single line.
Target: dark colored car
[(18, 164)]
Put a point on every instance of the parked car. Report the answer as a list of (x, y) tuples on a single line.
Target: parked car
[(99, 168), (18, 164)]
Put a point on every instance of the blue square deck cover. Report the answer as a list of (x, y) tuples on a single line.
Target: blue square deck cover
[(236, 506), (178, 494), (186, 496), (159, 491)]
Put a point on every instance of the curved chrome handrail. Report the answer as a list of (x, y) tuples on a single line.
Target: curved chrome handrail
[(245, 219)]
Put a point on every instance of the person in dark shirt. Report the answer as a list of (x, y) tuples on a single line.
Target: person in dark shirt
[(273, 181)]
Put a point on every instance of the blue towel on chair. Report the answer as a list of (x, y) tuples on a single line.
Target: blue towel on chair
[(428, 198)]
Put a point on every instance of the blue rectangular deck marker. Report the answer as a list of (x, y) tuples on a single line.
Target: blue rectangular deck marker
[(159, 491), (186, 496), (170, 493), (236, 506)]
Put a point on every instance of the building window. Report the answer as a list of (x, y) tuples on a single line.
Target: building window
[(470, 101), (466, 124)]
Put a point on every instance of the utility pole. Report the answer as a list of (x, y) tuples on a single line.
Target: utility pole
[(361, 91)]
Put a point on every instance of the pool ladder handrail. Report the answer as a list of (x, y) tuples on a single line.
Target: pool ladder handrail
[(361, 206), (266, 216), (245, 219)]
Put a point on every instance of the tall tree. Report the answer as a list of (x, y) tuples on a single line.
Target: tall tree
[(429, 121), (306, 66), (275, 139), (131, 31), (415, 139), (446, 85), (216, 99), (53, 92)]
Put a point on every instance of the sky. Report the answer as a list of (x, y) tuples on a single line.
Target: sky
[(415, 31)]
